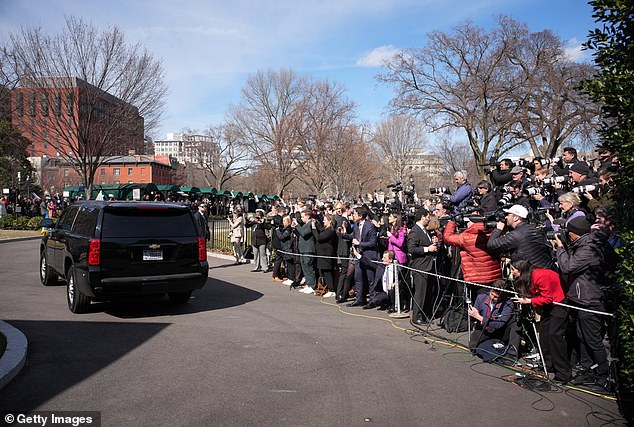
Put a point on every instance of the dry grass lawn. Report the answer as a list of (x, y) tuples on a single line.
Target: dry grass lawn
[(11, 234)]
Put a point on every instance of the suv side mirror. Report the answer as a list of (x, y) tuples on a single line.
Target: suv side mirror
[(47, 223)]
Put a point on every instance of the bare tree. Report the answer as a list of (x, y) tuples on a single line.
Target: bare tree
[(551, 109), (267, 121), (455, 156), (325, 112), (354, 166), (120, 90), (396, 138), (503, 88), (224, 158), (461, 80)]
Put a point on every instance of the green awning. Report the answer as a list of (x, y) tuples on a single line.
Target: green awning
[(190, 189), (173, 188)]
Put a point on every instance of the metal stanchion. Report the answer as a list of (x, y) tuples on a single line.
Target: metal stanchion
[(397, 297)]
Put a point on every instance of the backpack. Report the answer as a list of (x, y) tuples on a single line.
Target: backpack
[(455, 320)]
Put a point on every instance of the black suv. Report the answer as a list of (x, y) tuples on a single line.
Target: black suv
[(105, 250)]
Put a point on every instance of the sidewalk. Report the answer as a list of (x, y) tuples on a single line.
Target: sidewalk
[(14, 356)]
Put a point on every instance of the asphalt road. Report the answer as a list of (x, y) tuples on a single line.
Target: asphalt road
[(246, 351)]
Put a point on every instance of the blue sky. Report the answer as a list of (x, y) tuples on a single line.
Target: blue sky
[(210, 47)]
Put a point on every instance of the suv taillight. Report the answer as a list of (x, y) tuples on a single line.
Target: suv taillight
[(202, 249), (94, 252)]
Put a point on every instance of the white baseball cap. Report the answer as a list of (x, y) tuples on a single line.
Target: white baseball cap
[(518, 210)]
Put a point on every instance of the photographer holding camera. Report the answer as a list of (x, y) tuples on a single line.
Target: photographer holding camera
[(568, 159), (604, 193), (486, 199), (539, 288), (500, 176), (260, 241), (586, 266), (478, 265), (569, 204), (522, 240), (463, 194)]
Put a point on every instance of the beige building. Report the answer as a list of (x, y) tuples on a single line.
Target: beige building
[(187, 148)]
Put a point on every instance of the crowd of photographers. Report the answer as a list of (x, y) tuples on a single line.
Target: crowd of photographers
[(526, 255), (533, 246)]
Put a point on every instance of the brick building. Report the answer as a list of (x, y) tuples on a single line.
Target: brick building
[(54, 111), (139, 169)]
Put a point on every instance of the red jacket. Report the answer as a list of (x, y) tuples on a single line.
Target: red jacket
[(545, 287), (478, 265)]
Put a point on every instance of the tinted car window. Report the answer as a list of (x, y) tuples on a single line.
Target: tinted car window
[(86, 221), (126, 222), (66, 220)]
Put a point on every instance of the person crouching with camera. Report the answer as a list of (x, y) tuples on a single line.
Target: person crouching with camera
[(492, 312)]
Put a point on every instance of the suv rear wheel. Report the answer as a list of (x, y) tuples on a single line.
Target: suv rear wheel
[(179, 297), (77, 302), (47, 275)]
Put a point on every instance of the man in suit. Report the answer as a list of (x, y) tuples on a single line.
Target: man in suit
[(202, 220), (366, 242), (422, 253)]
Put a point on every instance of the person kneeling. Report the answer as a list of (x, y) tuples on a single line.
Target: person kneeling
[(492, 312), (387, 278)]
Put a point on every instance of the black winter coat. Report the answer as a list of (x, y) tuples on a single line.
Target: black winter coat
[(327, 242), (259, 232), (586, 267), (524, 242)]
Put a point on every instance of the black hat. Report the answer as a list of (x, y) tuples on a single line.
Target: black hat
[(581, 167), (579, 226)]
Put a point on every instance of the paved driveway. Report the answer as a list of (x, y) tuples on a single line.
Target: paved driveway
[(247, 351)]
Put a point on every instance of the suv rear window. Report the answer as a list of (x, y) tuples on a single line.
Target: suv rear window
[(134, 222), (86, 221)]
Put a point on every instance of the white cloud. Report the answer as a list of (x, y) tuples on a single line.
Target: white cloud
[(377, 56), (574, 51)]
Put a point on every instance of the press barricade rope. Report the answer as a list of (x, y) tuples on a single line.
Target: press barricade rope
[(440, 276)]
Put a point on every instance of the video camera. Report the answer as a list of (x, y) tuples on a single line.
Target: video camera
[(439, 190), (396, 186), (489, 219)]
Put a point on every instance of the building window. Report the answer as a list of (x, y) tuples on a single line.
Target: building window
[(57, 103), (65, 172), (32, 104), (116, 181), (103, 172), (116, 171), (130, 181), (20, 101), (44, 100), (129, 171), (70, 99)]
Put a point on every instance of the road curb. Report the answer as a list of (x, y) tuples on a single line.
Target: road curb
[(18, 239), (221, 256), (14, 355)]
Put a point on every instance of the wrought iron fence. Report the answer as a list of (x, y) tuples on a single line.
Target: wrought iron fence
[(219, 235)]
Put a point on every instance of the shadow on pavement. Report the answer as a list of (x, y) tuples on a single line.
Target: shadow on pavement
[(62, 354), (215, 295)]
